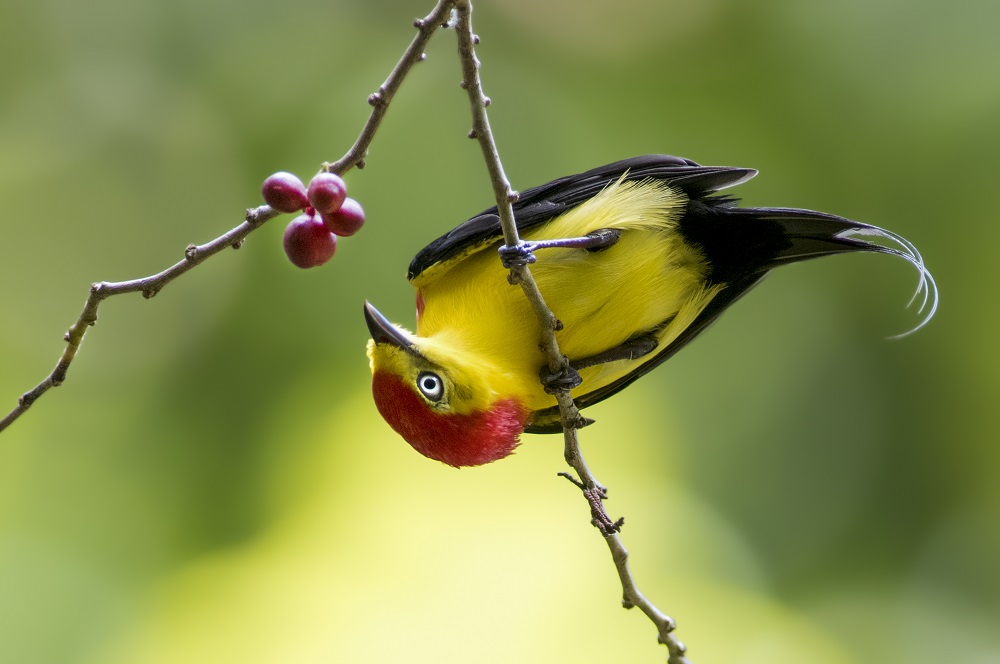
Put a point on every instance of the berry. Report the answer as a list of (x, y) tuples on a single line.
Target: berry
[(308, 242), (327, 192), (347, 220), (284, 192)]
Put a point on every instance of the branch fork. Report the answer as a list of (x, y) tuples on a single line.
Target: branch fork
[(446, 14), (253, 219), (596, 495)]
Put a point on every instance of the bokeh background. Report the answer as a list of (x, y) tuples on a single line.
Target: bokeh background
[(213, 483)]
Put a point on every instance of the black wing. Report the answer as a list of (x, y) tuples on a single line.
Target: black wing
[(742, 245), (539, 204)]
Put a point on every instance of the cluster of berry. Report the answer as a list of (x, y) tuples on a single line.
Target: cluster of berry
[(311, 238)]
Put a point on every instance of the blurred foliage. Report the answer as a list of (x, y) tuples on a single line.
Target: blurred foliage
[(213, 484)]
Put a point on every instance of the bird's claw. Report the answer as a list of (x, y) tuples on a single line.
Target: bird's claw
[(518, 255), (566, 378)]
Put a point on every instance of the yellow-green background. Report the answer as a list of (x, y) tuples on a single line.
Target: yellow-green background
[(213, 483)]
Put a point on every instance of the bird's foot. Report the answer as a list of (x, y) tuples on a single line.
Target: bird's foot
[(519, 255), (566, 378)]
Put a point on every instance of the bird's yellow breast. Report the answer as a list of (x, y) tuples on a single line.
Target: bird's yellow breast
[(649, 281)]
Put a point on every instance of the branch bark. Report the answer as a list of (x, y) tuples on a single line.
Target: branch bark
[(255, 218), (380, 99), (558, 363), (520, 274)]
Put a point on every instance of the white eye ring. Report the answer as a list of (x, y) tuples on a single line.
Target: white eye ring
[(430, 385)]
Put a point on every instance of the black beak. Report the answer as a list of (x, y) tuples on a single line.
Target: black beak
[(384, 332)]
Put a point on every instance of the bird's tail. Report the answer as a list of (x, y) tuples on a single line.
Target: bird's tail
[(743, 244)]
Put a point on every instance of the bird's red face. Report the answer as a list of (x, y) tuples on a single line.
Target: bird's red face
[(446, 412), (455, 439)]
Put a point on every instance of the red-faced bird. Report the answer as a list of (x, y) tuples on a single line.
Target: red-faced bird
[(635, 258)]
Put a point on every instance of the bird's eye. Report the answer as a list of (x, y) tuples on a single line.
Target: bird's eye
[(430, 385)]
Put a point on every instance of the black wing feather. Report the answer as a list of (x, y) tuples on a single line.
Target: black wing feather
[(537, 205)]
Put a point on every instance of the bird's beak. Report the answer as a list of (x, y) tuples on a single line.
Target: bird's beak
[(384, 332)]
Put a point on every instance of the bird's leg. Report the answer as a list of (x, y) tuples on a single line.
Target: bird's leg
[(598, 240), (523, 253), (569, 378), (630, 350)]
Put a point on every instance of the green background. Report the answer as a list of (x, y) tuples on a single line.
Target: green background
[(213, 483)]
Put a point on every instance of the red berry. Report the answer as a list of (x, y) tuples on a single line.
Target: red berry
[(284, 192), (327, 192), (308, 242), (346, 221)]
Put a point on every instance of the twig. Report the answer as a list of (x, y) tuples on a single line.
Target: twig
[(148, 286), (520, 274), (380, 99), (558, 363), (195, 254)]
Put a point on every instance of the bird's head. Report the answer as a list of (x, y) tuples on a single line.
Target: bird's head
[(442, 399)]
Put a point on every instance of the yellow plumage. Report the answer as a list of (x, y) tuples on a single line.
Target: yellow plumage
[(666, 257), (485, 333)]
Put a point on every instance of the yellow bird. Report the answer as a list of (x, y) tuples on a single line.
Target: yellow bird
[(638, 257)]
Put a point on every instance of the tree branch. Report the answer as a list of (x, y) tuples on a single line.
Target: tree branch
[(520, 274), (558, 363), (256, 217), (380, 99), (148, 286)]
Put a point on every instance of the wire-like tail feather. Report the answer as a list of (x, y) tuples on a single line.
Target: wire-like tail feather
[(742, 242)]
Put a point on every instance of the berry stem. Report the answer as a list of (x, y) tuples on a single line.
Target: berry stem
[(255, 217)]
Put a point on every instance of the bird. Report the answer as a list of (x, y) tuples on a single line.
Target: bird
[(635, 258)]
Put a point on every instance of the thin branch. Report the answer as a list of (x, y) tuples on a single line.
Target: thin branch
[(195, 254), (148, 286), (520, 274), (380, 99), (558, 363)]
